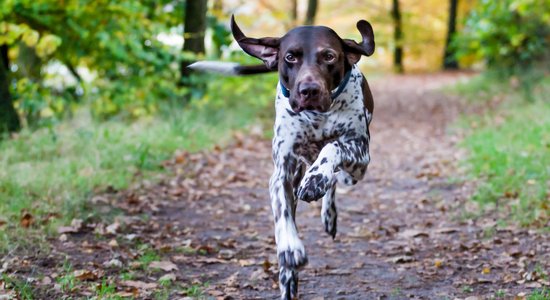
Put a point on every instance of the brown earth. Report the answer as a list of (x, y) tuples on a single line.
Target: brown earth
[(409, 231)]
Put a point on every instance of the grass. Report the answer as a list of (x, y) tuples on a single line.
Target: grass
[(540, 294), (500, 294), (509, 148), (195, 290), (67, 281), (48, 175), (22, 288), (148, 257), (106, 290)]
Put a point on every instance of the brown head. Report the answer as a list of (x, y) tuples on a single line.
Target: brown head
[(311, 60)]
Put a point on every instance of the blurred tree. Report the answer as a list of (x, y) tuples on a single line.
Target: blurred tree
[(506, 34), (293, 13), (449, 58), (311, 12), (115, 41), (9, 120), (398, 38), (193, 33), (221, 36)]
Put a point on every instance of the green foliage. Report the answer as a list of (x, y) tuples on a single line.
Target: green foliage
[(510, 152), (38, 106), (148, 257), (22, 288), (107, 290), (540, 294), (507, 33), (67, 281), (52, 171), (195, 290), (116, 42)]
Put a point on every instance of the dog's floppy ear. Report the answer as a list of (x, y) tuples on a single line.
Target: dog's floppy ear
[(355, 50), (266, 49)]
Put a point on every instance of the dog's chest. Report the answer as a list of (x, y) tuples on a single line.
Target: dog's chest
[(310, 131)]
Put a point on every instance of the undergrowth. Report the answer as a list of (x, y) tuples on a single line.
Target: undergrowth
[(509, 146), (47, 176)]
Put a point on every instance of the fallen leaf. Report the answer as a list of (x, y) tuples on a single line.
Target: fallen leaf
[(402, 259), (413, 233), (77, 223), (266, 265), (139, 284), (533, 285), (113, 263), (232, 281), (447, 230), (180, 157), (211, 260), (167, 277), (126, 294), (226, 254), (130, 237), (259, 274), (113, 228), (247, 262), (164, 265), (66, 229), (26, 220), (113, 243), (46, 280), (85, 275)]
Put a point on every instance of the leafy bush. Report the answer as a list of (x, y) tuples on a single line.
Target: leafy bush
[(116, 42), (506, 34)]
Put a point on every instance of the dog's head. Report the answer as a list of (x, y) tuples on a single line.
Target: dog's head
[(311, 60)]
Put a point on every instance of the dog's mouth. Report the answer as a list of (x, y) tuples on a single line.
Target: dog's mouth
[(321, 104), (318, 108)]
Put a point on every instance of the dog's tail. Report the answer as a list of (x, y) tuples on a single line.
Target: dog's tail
[(228, 68)]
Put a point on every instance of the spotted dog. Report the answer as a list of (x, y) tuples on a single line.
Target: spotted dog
[(321, 132)]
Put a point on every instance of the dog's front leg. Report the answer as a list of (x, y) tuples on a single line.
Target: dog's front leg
[(321, 177), (290, 249)]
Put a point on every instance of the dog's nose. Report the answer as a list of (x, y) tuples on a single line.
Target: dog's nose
[(309, 90)]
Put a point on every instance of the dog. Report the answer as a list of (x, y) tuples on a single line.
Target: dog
[(321, 134)]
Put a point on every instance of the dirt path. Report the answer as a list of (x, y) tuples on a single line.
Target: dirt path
[(404, 232)]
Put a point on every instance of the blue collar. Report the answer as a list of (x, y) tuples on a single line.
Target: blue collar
[(337, 93)]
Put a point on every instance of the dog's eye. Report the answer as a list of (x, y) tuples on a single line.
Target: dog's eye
[(290, 58), (329, 57)]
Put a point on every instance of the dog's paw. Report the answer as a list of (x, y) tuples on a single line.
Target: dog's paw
[(290, 249), (329, 217), (292, 258), (288, 283), (315, 184), (344, 178)]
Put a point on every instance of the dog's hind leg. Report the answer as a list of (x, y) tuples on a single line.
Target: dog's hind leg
[(288, 283), (328, 211)]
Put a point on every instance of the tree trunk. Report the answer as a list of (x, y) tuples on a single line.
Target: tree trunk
[(398, 38), (193, 32), (311, 12), (9, 121), (293, 14), (449, 59)]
